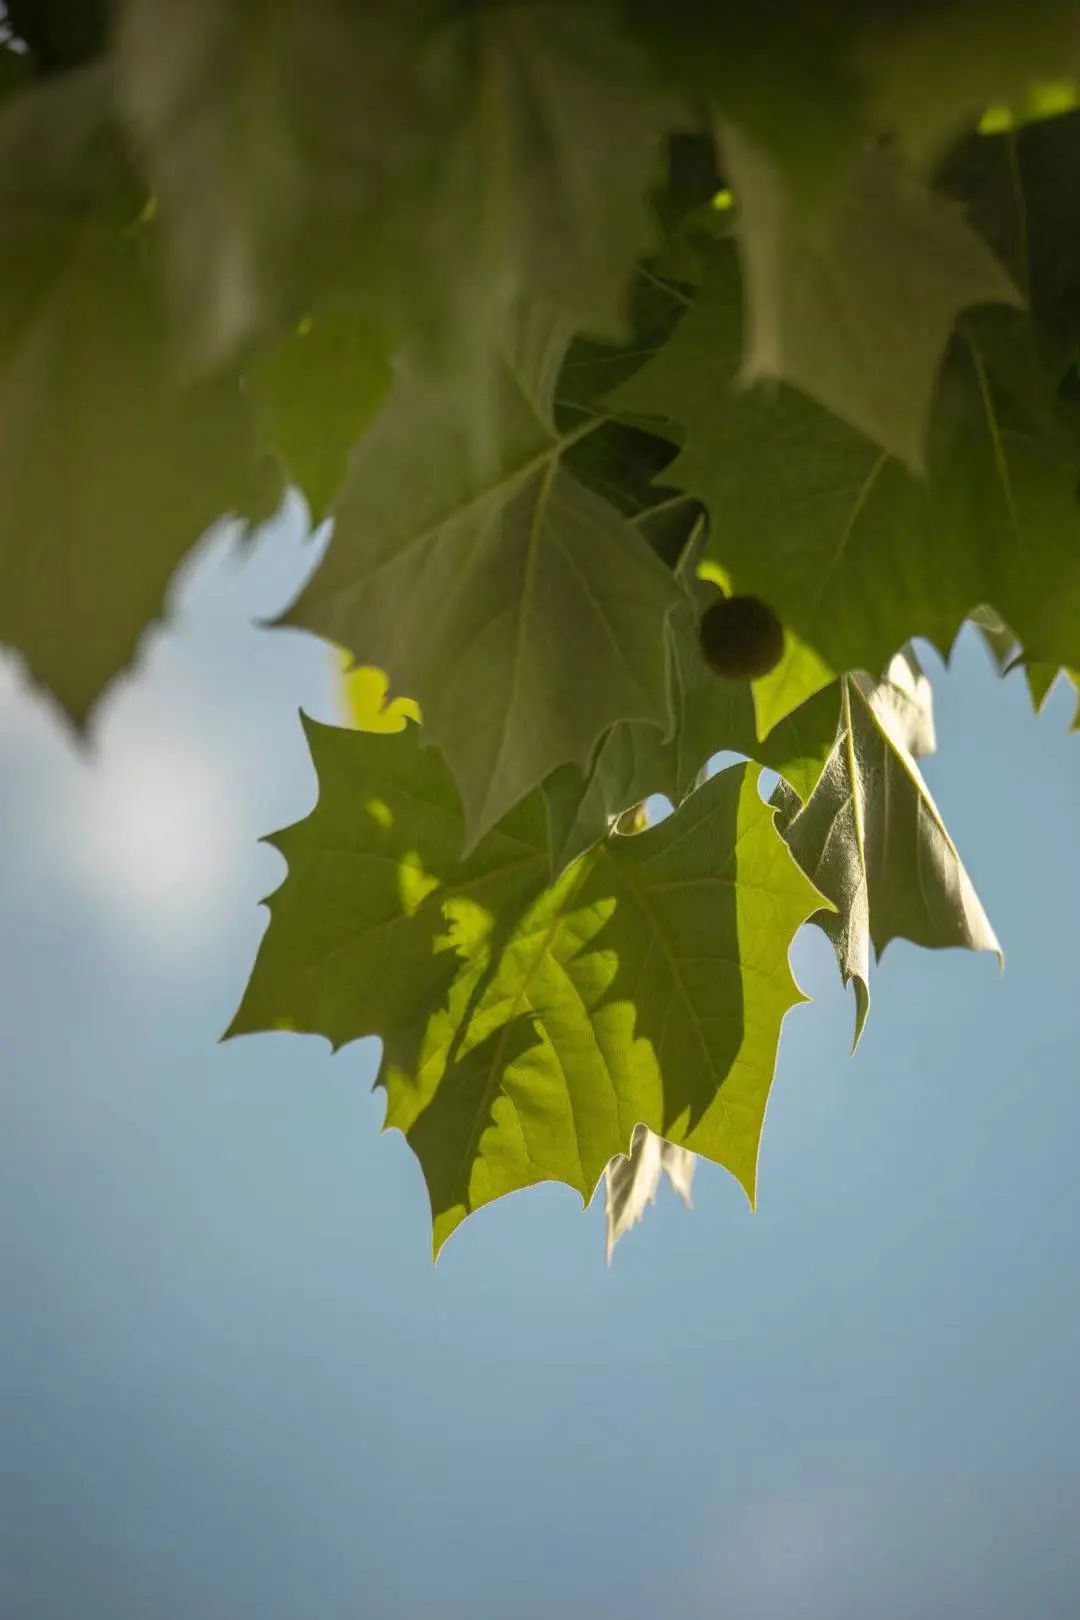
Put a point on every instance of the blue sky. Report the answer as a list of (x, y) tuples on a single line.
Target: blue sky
[(231, 1382)]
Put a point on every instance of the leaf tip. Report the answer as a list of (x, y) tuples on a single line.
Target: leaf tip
[(862, 1009)]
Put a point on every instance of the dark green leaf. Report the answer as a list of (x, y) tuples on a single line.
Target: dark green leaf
[(856, 555), (275, 139), (111, 470), (521, 611), (314, 393), (1021, 190), (544, 191), (931, 71), (855, 304), (450, 164)]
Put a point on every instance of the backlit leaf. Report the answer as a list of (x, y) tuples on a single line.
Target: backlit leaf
[(631, 1181), (365, 693), (871, 838), (528, 1029)]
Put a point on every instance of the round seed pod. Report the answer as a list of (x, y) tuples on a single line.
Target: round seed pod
[(741, 638)]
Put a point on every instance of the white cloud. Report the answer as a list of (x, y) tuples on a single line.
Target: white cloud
[(157, 828)]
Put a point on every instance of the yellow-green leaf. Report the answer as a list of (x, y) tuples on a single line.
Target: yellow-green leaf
[(528, 1029)]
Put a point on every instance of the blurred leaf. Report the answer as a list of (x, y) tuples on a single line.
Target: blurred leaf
[(110, 469), (273, 137), (783, 72), (998, 638), (314, 393), (933, 70), (450, 164), (1041, 102)]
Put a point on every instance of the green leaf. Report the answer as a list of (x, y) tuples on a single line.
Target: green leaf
[(854, 554), (521, 611), (1021, 191), (314, 393), (1009, 655), (1042, 678), (631, 1181), (871, 838), (528, 1029), (111, 470), (854, 304)]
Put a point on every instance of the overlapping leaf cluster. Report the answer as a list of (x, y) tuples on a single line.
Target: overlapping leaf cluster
[(567, 317)]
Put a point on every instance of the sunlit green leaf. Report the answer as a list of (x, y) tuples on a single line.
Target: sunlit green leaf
[(527, 1030)]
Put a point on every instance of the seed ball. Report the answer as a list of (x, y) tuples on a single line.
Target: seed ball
[(741, 638)]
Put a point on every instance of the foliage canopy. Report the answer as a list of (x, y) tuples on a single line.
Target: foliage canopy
[(583, 323)]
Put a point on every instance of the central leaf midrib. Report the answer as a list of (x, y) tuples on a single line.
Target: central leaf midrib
[(495, 1067), (532, 546), (635, 890)]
